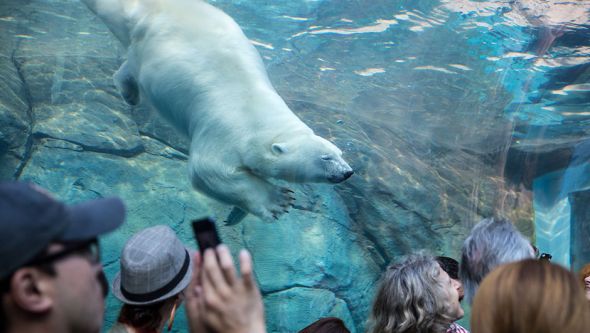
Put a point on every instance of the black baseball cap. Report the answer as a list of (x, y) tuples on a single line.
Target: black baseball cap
[(31, 219)]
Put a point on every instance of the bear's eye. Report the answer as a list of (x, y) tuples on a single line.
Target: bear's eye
[(326, 157)]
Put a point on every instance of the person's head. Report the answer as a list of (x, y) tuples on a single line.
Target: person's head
[(491, 242), (415, 295), (51, 276), (451, 267), (585, 279), (155, 270), (326, 325), (530, 296)]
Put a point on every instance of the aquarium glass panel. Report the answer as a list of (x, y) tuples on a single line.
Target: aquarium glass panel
[(329, 138)]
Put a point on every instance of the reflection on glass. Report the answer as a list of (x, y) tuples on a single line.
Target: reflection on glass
[(449, 111)]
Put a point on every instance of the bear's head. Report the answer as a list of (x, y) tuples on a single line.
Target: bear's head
[(305, 158)]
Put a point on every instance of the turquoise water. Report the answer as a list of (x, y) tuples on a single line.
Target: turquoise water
[(448, 111)]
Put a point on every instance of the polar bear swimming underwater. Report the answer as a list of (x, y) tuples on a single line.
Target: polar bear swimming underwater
[(193, 63)]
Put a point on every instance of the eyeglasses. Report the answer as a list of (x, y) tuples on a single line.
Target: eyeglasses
[(88, 250)]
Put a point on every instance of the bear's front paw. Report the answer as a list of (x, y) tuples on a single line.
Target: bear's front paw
[(278, 203), (285, 201)]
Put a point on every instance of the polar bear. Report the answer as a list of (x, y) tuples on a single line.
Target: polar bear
[(193, 63)]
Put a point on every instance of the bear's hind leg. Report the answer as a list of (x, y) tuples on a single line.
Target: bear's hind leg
[(126, 84)]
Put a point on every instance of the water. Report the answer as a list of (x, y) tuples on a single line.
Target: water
[(449, 111)]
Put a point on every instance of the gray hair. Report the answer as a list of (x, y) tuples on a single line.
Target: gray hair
[(492, 242), (411, 298)]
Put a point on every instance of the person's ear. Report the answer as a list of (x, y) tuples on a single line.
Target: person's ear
[(30, 290)]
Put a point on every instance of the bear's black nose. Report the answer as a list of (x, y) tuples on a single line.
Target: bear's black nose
[(347, 174), (340, 177)]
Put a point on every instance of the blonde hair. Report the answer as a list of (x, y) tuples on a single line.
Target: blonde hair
[(411, 298), (530, 296)]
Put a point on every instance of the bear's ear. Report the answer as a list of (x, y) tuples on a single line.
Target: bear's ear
[(279, 148)]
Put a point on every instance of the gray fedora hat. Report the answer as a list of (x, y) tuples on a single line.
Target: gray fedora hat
[(155, 265)]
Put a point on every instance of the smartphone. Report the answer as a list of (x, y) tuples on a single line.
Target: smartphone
[(546, 256), (205, 233)]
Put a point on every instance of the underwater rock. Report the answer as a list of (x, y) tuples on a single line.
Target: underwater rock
[(151, 124), (315, 246), (155, 147), (152, 186), (63, 79), (93, 126), (298, 307), (551, 151), (580, 216), (14, 119)]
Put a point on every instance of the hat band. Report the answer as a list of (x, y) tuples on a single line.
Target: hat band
[(152, 295)]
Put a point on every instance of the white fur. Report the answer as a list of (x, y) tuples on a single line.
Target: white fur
[(194, 64)]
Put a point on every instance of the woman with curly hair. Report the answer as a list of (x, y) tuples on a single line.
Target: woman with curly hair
[(415, 295), (530, 296)]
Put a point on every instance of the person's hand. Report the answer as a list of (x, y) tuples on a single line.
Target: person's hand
[(232, 304), (194, 299), (219, 300)]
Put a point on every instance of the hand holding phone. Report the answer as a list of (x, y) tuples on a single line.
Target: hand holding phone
[(233, 301)]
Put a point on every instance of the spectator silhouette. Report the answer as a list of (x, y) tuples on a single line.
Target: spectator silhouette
[(415, 295), (155, 270), (326, 325), (490, 243), (51, 277)]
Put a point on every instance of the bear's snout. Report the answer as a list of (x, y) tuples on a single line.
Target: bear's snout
[(341, 177), (348, 173)]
